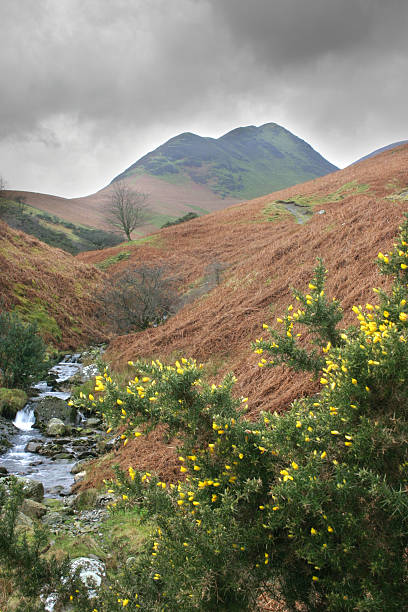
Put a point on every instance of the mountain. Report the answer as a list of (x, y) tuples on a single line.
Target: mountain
[(190, 173), (244, 163), (382, 150)]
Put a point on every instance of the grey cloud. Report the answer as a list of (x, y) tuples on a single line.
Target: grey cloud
[(91, 85)]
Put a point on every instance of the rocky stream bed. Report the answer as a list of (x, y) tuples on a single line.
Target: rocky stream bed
[(47, 446)]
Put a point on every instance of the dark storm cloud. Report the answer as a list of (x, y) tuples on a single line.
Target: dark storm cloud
[(91, 85)]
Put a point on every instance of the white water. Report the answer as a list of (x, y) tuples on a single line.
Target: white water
[(25, 418), (17, 460)]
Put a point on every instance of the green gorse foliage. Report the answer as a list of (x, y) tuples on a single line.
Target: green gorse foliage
[(20, 553), (309, 506), (22, 351)]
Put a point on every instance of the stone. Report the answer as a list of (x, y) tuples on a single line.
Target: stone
[(79, 476), (33, 509), (53, 407), (78, 466), (33, 447), (93, 422), (7, 431), (63, 456), (90, 571), (3, 471), (55, 427)]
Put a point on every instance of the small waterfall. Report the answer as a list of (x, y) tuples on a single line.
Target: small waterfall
[(25, 418)]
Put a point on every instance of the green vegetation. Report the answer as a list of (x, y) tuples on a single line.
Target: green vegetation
[(183, 219), (11, 401), (274, 211), (22, 352), (53, 230), (307, 507), (113, 259), (346, 190), (245, 163)]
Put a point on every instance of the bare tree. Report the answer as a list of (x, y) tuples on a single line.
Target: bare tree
[(127, 208), (139, 298)]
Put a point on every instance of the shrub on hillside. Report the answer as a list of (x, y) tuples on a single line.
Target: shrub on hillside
[(22, 352), (187, 217), (139, 298), (308, 507)]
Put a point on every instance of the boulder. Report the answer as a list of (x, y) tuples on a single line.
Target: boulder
[(55, 427), (90, 571), (53, 407), (33, 447), (78, 466), (3, 471), (79, 476), (92, 422), (33, 509), (7, 431)]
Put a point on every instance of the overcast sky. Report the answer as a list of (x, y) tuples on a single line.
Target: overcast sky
[(89, 86)]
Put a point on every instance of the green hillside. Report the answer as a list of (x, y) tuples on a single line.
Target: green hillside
[(245, 163), (71, 237)]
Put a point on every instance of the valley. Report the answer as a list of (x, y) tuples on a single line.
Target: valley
[(233, 271)]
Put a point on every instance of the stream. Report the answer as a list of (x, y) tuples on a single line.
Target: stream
[(55, 474)]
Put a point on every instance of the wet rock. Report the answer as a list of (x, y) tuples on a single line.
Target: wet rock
[(79, 476), (93, 422), (53, 407), (78, 466), (33, 447), (3, 471), (55, 427), (63, 456), (33, 509), (7, 431), (87, 454)]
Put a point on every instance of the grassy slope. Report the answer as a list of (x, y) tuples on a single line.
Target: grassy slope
[(49, 286), (54, 230), (363, 208), (244, 163)]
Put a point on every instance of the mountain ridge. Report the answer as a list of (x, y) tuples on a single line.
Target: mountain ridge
[(244, 163)]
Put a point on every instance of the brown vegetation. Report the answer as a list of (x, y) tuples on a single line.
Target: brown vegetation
[(165, 198), (263, 260), (49, 286)]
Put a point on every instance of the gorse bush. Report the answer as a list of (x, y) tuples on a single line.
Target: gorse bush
[(22, 351), (20, 554), (308, 507)]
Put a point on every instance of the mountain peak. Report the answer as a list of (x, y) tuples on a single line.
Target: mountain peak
[(244, 163)]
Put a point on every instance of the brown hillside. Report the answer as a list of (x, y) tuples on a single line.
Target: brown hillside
[(264, 260), (48, 286), (164, 199)]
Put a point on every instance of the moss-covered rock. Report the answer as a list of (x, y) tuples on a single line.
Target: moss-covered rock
[(11, 401)]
